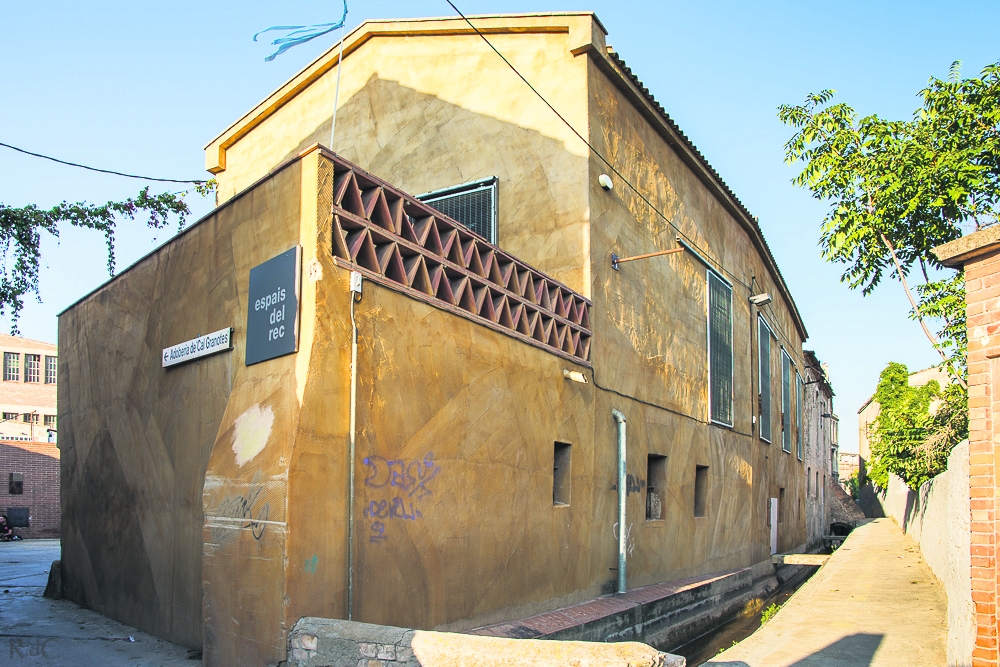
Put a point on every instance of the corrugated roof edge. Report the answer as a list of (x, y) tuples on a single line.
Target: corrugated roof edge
[(627, 71)]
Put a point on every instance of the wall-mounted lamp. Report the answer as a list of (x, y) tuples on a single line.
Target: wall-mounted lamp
[(605, 182), (761, 299), (827, 415), (575, 376)]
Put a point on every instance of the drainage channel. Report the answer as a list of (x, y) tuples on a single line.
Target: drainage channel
[(705, 647)]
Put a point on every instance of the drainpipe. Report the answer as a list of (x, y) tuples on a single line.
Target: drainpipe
[(355, 296), (622, 494)]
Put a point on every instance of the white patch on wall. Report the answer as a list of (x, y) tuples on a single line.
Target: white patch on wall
[(314, 270), (250, 433)]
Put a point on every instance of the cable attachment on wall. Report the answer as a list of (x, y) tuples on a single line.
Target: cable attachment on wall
[(616, 260)]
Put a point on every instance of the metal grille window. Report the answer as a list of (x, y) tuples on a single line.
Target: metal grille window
[(32, 368), (798, 415), (11, 366), (51, 369), (50, 421), (786, 402), (720, 350), (764, 374), (473, 204), (30, 417)]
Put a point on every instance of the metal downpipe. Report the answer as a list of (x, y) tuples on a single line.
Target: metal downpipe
[(622, 495)]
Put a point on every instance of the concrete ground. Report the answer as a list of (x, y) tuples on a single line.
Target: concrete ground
[(875, 603), (38, 631)]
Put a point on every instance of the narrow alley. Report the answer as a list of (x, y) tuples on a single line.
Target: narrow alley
[(875, 603)]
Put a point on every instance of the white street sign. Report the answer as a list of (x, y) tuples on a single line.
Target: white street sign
[(198, 347)]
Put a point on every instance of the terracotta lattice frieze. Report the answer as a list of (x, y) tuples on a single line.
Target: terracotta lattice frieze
[(402, 243)]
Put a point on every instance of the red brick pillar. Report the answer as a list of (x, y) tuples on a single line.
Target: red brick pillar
[(979, 254)]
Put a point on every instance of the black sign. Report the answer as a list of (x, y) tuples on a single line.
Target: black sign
[(273, 308)]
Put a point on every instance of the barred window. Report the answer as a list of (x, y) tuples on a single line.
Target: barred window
[(472, 204), (798, 414), (786, 402), (32, 368), (11, 366), (51, 369), (764, 374), (30, 417), (50, 421), (720, 350), (10, 416)]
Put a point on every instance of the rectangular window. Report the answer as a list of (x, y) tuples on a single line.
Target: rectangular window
[(656, 485), (764, 374), (51, 369), (798, 415), (32, 368), (473, 204), (808, 480), (560, 474), (786, 402), (10, 416), (700, 490), (720, 350), (781, 506), (11, 366), (30, 417), (16, 484), (50, 421)]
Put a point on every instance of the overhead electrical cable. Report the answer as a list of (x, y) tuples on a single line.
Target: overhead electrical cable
[(718, 265), (102, 171), (596, 152)]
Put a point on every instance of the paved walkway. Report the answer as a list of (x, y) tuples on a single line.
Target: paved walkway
[(875, 603), (38, 631)]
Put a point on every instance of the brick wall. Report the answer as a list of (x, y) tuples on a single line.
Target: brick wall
[(982, 278), (39, 463)]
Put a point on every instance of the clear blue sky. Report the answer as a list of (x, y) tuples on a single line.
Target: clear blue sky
[(142, 87)]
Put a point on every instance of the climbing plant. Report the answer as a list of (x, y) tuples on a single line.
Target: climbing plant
[(22, 229), (916, 428)]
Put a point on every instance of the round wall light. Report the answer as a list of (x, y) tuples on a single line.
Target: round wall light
[(605, 181)]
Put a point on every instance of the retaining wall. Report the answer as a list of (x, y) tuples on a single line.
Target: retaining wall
[(937, 517)]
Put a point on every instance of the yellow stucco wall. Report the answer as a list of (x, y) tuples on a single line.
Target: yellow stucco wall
[(468, 416)]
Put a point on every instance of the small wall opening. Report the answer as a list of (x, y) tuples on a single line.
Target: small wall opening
[(808, 480), (15, 484), (656, 486), (700, 490), (781, 505), (561, 463)]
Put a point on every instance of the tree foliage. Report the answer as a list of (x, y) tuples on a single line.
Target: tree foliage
[(899, 188), (21, 231), (916, 428)]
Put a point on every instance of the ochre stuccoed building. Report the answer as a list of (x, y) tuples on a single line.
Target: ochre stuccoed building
[(484, 471)]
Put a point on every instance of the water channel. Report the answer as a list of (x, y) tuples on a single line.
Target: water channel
[(702, 649)]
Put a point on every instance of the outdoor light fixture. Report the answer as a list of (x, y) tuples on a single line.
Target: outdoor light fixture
[(761, 299), (605, 181), (575, 376)]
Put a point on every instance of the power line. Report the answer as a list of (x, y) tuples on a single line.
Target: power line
[(103, 171), (594, 150)]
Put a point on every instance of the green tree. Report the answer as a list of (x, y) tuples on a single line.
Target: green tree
[(21, 232), (916, 428), (898, 188)]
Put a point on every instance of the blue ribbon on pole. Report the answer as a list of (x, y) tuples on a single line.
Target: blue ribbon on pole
[(300, 34)]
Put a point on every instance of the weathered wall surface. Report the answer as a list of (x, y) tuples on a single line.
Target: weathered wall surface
[(652, 313), (136, 438), (419, 111), (38, 462), (937, 517)]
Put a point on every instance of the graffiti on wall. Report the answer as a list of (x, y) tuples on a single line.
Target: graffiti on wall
[(405, 482), (242, 507)]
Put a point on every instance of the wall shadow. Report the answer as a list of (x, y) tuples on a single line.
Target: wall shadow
[(855, 650)]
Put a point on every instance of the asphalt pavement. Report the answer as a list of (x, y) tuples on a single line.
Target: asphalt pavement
[(37, 631)]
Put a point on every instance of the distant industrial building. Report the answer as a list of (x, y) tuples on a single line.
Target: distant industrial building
[(29, 457)]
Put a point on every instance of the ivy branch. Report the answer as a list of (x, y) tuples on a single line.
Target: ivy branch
[(21, 231)]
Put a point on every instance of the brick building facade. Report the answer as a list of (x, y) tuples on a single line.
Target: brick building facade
[(28, 374), (979, 255), (30, 479)]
